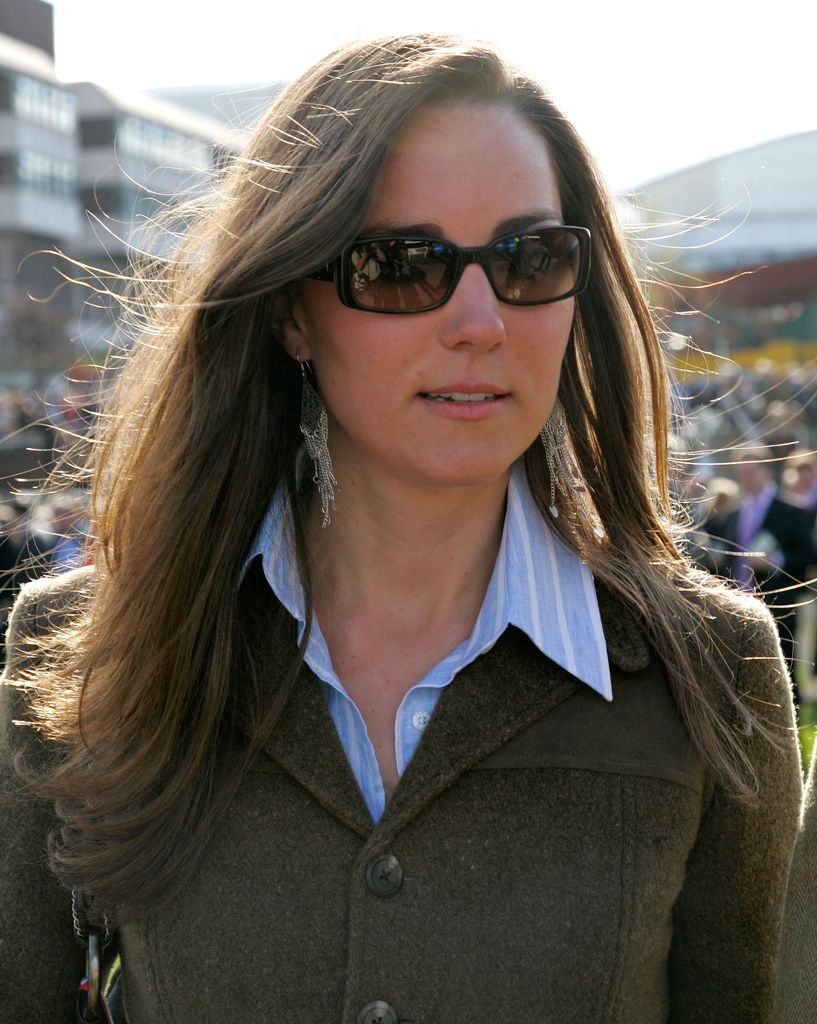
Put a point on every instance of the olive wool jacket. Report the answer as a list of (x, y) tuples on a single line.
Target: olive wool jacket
[(797, 993), (546, 857)]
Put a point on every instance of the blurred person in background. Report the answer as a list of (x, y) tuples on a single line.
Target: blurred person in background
[(799, 481), (389, 695), (69, 526), (784, 430), (8, 417), (772, 541), (12, 546), (710, 514), (16, 544), (799, 486)]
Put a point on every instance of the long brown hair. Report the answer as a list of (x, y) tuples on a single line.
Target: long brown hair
[(140, 691)]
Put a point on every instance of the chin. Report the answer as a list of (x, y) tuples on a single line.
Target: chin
[(467, 472)]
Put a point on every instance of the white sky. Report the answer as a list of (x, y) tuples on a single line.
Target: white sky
[(653, 85)]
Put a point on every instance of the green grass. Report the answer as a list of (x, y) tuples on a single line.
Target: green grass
[(807, 727)]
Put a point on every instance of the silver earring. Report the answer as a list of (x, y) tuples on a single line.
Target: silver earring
[(562, 469), (315, 428)]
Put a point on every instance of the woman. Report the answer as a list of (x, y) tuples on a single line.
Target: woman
[(391, 695)]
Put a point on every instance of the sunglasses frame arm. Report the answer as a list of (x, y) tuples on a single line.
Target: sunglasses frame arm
[(324, 273)]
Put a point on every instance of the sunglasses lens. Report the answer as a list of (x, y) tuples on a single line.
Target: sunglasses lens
[(538, 267), (410, 275), (399, 274)]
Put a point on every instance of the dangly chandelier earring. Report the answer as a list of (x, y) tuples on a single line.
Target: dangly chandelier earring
[(562, 469), (315, 428)]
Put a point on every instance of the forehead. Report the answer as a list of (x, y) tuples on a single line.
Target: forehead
[(466, 169)]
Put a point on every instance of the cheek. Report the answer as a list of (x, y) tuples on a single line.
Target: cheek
[(351, 349), (550, 340), (330, 338), (349, 354), (564, 313)]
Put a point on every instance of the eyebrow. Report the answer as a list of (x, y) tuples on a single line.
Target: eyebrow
[(430, 229)]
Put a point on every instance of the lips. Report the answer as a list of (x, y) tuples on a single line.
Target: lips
[(460, 396), (465, 401), (465, 391)]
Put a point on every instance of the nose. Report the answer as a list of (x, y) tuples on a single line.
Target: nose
[(473, 315)]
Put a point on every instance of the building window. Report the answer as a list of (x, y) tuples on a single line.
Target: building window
[(97, 131), (46, 174), (154, 142), (145, 140), (47, 104), (111, 202), (8, 169), (5, 90)]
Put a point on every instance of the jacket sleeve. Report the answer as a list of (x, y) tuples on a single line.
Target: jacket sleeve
[(726, 923), (40, 963), (797, 989)]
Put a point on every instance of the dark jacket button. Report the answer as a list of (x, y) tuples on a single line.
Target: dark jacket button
[(384, 875), (377, 1012)]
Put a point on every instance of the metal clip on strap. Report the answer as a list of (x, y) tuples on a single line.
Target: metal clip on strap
[(91, 1007), (93, 964)]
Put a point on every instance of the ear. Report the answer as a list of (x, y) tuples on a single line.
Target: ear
[(293, 328)]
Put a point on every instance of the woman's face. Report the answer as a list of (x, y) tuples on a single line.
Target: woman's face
[(467, 174)]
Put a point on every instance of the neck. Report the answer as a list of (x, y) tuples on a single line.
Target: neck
[(394, 552)]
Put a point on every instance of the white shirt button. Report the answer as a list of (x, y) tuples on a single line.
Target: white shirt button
[(420, 720)]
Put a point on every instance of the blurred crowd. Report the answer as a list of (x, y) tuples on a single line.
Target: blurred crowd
[(758, 530), (29, 419), (39, 535), (40, 532), (744, 471), (23, 421)]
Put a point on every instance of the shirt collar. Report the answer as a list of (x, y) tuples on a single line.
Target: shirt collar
[(549, 593), (538, 585)]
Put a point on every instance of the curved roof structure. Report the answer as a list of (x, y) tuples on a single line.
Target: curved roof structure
[(749, 207)]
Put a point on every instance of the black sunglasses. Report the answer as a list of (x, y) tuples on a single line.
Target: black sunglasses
[(390, 274)]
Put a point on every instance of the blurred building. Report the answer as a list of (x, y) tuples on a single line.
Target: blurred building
[(237, 107), (84, 171), (141, 158), (39, 171), (139, 155), (736, 239)]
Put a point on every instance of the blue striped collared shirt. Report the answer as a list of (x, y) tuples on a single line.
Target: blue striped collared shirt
[(538, 584)]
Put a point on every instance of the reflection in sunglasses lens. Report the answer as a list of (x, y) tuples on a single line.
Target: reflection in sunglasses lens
[(399, 274)]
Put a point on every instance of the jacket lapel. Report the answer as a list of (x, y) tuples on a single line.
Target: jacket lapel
[(487, 703), (306, 744), (627, 646), (495, 698), (490, 701), (304, 741)]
